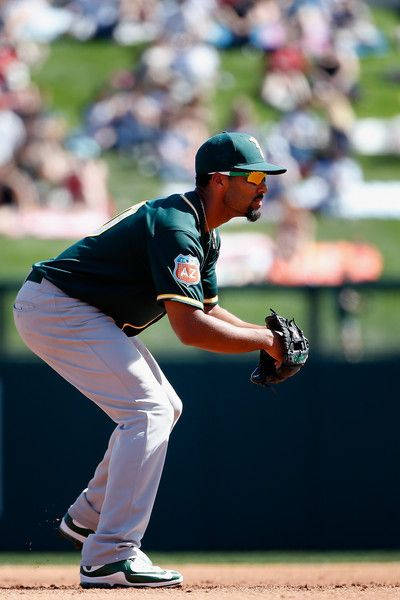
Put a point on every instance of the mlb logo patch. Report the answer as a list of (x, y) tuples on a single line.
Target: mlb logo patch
[(187, 269)]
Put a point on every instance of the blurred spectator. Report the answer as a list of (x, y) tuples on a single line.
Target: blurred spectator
[(268, 26), (243, 116), (12, 135), (349, 305), (157, 112), (311, 22), (190, 21), (184, 131), (306, 133), (337, 170), (34, 20), (139, 21), (93, 18), (331, 92), (18, 191), (285, 85), (296, 229), (44, 186), (354, 29), (232, 23)]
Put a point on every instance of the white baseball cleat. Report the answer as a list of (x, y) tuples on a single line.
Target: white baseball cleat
[(132, 572), (73, 531)]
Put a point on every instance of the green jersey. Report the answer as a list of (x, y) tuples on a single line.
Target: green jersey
[(154, 251)]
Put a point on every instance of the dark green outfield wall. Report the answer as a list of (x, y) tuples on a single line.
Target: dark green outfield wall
[(316, 465)]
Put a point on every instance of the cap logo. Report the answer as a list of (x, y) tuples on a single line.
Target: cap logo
[(187, 269), (257, 144)]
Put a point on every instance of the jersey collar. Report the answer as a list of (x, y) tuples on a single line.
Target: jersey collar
[(194, 201)]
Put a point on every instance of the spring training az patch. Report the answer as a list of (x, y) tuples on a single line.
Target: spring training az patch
[(187, 269)]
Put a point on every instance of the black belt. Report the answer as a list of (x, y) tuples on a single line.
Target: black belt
[(35, 276)]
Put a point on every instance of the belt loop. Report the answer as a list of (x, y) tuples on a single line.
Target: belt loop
[(35, 276)]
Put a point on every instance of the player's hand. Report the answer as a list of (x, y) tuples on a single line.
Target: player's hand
[(275, 347)]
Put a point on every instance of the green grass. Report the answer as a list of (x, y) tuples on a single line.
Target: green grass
[(379, 96), (57, 558), (75, 72), (19, 255), (241, 76), (128, 185), (382, 168)]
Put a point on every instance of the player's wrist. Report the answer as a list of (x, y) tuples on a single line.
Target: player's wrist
[(274, 348), (266, 339)]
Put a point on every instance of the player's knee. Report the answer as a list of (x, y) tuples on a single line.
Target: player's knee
[(177, 407), (159, 413), (165, 414)]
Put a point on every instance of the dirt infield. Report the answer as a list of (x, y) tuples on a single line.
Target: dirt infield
[(350, 581)]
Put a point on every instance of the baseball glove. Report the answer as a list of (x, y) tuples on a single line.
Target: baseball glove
[(295, 352)]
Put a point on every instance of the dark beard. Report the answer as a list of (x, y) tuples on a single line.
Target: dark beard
[(253, 215)]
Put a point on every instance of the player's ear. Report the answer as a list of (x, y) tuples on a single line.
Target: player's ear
[(219, 180)]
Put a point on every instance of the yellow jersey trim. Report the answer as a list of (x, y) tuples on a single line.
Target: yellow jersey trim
[(141, 326), (213, 300), (191, 206), (119, 217), (180, 298)]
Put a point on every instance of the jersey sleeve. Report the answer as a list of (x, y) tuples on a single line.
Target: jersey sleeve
[(175, 260), (209, 276)]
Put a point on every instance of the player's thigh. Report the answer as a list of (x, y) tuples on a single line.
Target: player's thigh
[(87, 349), (160, 377)]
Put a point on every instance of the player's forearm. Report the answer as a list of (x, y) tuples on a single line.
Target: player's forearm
[(216, 335), (221, 313)]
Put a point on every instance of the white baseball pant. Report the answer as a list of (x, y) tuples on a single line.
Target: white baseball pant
[(120, 375)]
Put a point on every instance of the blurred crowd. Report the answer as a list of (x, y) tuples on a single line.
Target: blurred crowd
[(158, 112), (54, 182), (309, 53), (44, 185)]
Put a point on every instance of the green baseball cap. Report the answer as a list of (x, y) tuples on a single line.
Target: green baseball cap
[(231, 150)]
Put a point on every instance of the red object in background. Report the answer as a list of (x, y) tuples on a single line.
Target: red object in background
[(328, 263), (7, 56), (74, 185), (365, 262), (287, 59)]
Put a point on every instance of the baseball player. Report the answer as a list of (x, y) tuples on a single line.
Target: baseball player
[(81, 313)]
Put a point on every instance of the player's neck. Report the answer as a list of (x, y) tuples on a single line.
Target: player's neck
[(212, 209)]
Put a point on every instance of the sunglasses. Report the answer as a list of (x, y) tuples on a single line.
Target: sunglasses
[(255, 177)]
